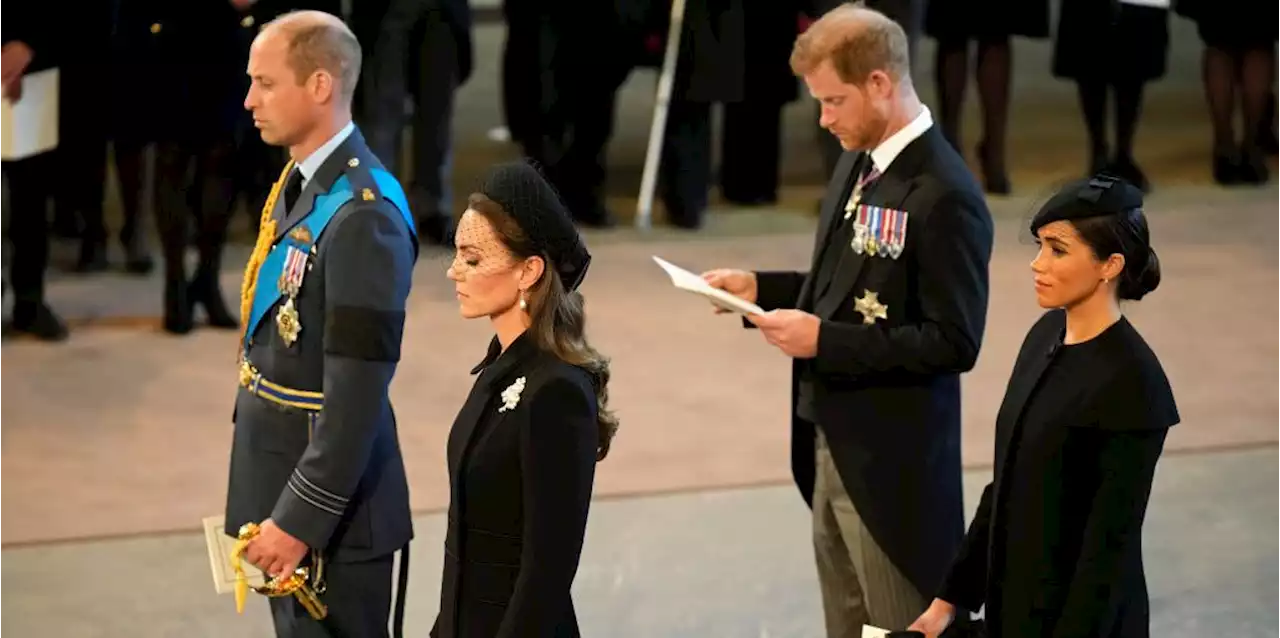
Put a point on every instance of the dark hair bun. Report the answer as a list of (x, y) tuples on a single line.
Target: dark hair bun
[(1135, 284)]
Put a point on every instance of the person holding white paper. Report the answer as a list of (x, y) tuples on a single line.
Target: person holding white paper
[(29, 47), (889, 314)]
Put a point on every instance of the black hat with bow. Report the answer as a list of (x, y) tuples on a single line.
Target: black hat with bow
[(530, 199)]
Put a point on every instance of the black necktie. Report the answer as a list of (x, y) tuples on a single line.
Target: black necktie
[(292, 189)]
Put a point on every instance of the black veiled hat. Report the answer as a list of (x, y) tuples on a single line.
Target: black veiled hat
[(531, 200), (1102, 194)]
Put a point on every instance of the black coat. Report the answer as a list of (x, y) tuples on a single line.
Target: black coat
[(1055, 548), (888, 394), (32, 24), (520, 488), (732, 50), (179, 69)]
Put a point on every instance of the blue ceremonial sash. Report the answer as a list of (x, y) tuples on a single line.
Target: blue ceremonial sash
[(391, 190), (268, 290), (326, 206)]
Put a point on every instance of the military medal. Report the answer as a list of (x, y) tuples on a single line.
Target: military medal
[(295, 268), (879, 231), (870, 308), (287, 322)]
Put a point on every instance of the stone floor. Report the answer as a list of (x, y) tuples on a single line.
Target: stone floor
[(114, 444)]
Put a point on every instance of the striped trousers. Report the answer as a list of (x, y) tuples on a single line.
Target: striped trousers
[(860, 585)]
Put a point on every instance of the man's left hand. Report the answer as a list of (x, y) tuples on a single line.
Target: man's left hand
[(274, 551), (794, 332)]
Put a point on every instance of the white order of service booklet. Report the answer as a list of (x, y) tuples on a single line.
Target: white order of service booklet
[(30, 126), (691, 282)]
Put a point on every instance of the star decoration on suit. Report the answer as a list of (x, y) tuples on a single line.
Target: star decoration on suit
[(870, 307), (511, 396)]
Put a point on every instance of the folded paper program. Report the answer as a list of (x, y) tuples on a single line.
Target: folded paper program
[(691, 282)]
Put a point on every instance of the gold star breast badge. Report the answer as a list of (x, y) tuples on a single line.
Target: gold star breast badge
[(870, 307), (288, 322)]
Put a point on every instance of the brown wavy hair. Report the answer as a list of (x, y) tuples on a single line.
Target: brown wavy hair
[(558, 316)]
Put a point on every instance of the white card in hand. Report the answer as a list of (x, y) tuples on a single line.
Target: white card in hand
[(690, 282), (873, 632), (30, 126)]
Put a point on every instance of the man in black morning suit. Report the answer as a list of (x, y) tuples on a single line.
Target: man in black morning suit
[(31, 43), (315, 459), (880, 328)]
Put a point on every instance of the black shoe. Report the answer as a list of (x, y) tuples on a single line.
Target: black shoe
[(38, 321), (995, 178), (1126, 168), (177, 307), (207, 291), (1226, 169), (436, 229), (93, 257), (1253, 168)]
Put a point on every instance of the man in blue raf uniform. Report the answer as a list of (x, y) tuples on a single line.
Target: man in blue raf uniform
[(315, 461)]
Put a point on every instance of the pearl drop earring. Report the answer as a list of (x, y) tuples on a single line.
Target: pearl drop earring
[(524, 305)]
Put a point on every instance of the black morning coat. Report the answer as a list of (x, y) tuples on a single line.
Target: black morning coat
[(1055, 548), (522, 458), (887, 396)]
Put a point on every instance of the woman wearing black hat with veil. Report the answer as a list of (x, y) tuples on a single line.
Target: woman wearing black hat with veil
[(1055, 548), (523, 449)]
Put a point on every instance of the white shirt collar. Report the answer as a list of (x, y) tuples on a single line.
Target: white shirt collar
[(884, 154), (316, 159)]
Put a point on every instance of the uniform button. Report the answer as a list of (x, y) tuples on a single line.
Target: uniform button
[(246, 21), (155, 27)]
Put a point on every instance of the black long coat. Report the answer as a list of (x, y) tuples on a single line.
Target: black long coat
[(887, 395), (522, 456), (732, 50), (179, 69), (1055, 549)]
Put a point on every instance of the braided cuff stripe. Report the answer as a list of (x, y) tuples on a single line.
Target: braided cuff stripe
[(315, 495)]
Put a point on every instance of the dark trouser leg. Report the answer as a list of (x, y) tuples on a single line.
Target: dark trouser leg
[(993, 71), (173, 212), (384, 90), (30, 188), (82, 162), (684, 173), (358, 598), (215, 183), (951, 72), (430, 195), (131, 162), (750, 152), (1128, 111), (1093, 106), (579, 172), (1218, 70), (1257, 69)]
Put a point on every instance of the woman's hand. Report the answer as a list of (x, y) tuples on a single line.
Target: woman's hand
[(935, 619)]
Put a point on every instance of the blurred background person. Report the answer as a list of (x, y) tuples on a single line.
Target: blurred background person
[(1239, 68), (31, 43), (417, 50), (989, 25), (1111, 49)]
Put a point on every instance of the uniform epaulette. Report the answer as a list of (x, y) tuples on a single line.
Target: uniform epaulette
[(364, 187)]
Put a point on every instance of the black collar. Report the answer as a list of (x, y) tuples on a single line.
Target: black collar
[(497, 364)]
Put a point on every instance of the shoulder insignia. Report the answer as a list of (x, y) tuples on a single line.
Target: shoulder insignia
[(368, 195), (302, 235), (353, 162)]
